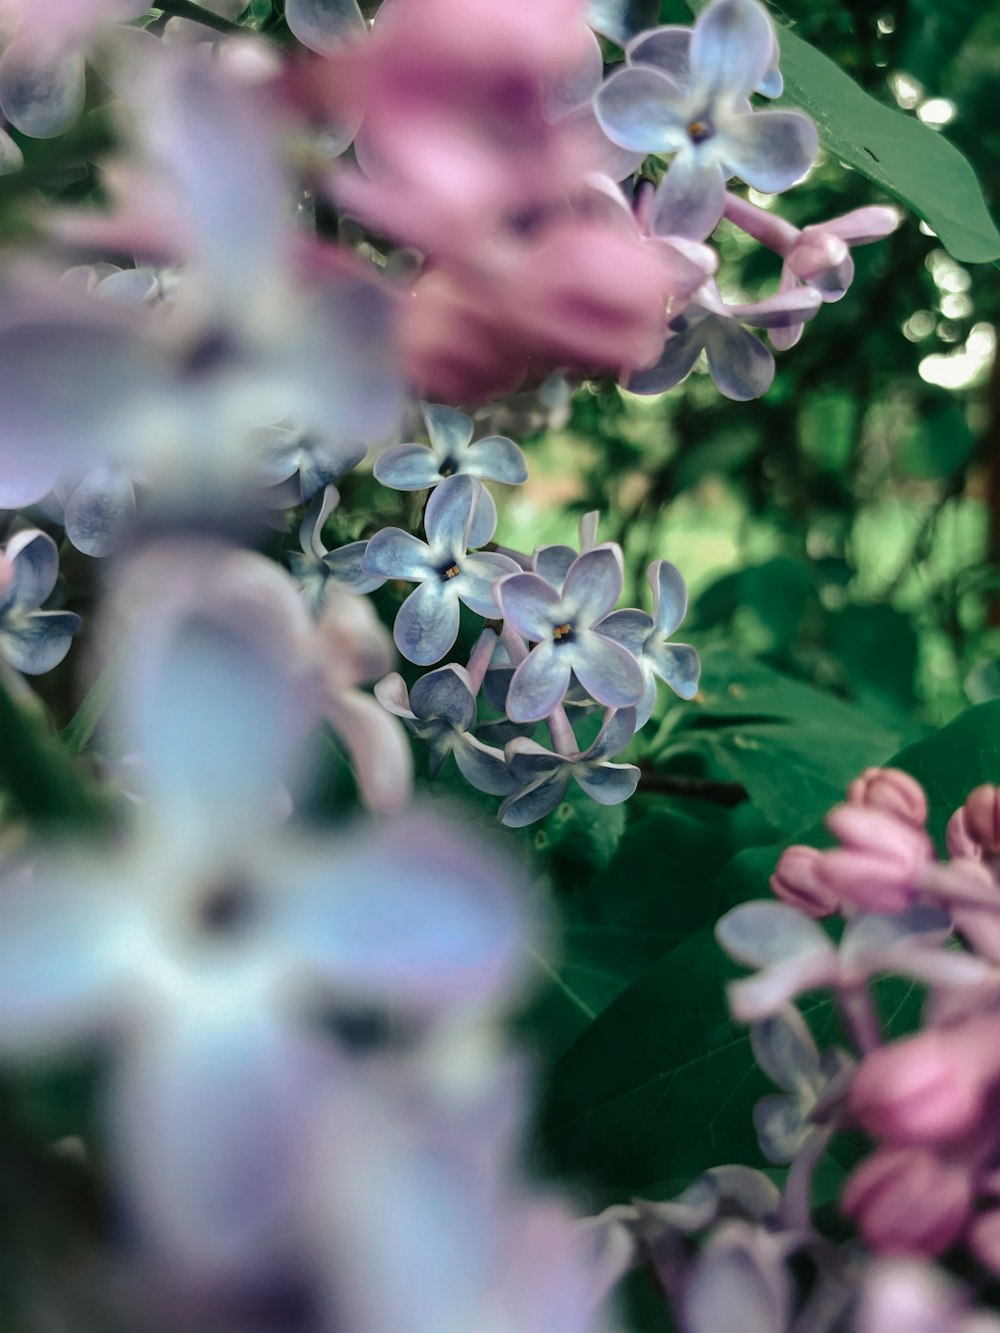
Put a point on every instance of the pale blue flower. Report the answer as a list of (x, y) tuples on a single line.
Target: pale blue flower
[(739, 363), (284, 452), (544, 775), (646, 637), (446, 572), (317, 567), (784, 1048), (200, 951), (415, 467), (707, 121), (441, 711), (563, 626), (668, 49), (32, 640)]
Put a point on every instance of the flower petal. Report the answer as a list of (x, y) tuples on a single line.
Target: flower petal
[(731, 48), (678, 664), (476, 585), (378, 748), (680, 352), (35, 558), (760, 933), (552, 563), (607, 671), (780, 1126), (618, 729), (41, 98), (448, 515), (608, 784), (770, 150), (100, 510), (391, 693), (40, 643), (690, 198), (317, 511), (396, 554), (538, 684), (346, 564), (226, 1104), (323, 25), (496, 458), (407, 467), (593, 584), (535, 801), (741, 366), (484, 518), (641, 109), (450, 432), (667, 49), (445, 694), (530, 604), (483, 766), (670, 596), (784, 1048), (630, 628), (427, 623)]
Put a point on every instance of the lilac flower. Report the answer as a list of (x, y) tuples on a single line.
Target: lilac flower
[(31, 640), (412, 467), (447, 573), (905, 1294), (669, 49), (552, 563), (645, 637), (324, 25), (796, 955), (708, 123), (199, 949), (284, 452), (441, 711), (740, 1282), (740, 364), (544, 776), (317, 567), (784, 1048), (563, 626)]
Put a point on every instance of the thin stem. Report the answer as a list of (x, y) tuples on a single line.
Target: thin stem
[(515, 645), (187, 9), (481, 657), (860, 1019), (771, 230), (699, 789), (561, 731), (796, 1208)]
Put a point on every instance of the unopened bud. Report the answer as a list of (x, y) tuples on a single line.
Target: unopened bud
[(909, 1201), (891, 791), (878, 864), (794, 882), (922, 1090), (974, 828)]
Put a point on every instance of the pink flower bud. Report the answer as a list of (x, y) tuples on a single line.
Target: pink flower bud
[(880, 860), (984, 1239), (909, 1201), (974, 828), (892, 791), (794, 882), (918, 1091), (815, 252)]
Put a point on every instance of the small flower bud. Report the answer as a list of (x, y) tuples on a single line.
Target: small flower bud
[(794, 882), (918, 1091), (892, 791), (878, 865), (909, 1201), (974, 828)]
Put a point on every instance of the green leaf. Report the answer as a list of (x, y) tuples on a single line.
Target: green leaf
[(913, 162), (36, 771), (79, 731)]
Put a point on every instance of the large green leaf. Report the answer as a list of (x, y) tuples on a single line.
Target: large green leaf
[(897, 151)]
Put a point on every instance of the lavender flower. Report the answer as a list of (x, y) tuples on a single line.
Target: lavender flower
[(441, 711), (317, 567), (285, 452), (668, 49), (32, 640), (447, 573), (708, 123), (412, 467), (784, 1048), (740, 364), (645, 637), (544, 776), (564, 627)]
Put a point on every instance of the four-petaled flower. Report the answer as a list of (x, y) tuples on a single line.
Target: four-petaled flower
[(708, 123), (413, 467), (563, 627), (427, 623), (31, 640), (441, 711), (544, 775), (317, 567), (646, 637)]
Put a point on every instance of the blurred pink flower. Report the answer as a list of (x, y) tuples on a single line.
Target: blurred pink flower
[(891, 790), (909, 1201)]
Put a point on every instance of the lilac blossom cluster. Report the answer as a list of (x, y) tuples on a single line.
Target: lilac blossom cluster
[(309, 1103)]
